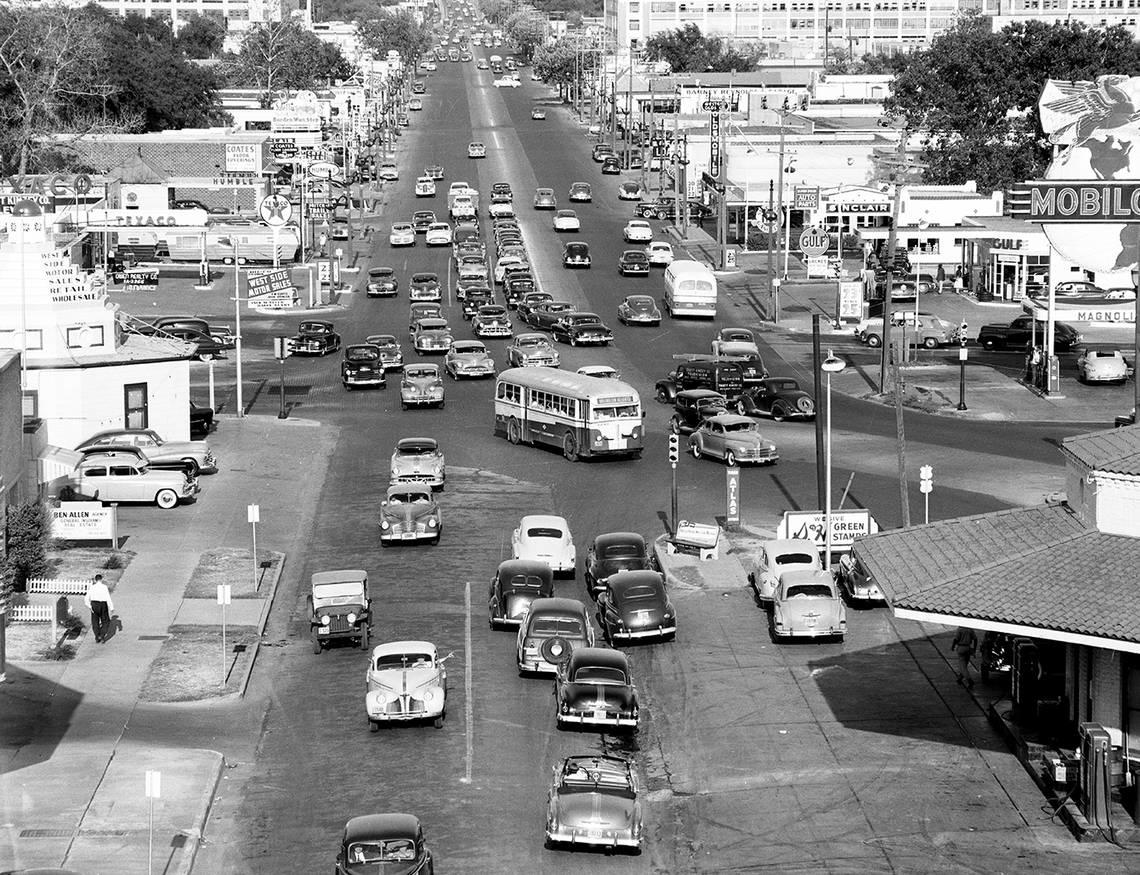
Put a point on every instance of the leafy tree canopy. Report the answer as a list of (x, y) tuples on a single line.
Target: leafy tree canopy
[(555, 62), (687, 50), (201, 37), (283, 55), (395, 30)]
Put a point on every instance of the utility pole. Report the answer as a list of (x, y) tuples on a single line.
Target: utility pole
[(722, 193), (892, 240), (780, 194), (817, 374)]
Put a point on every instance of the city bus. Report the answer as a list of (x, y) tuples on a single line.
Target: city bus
[(580, 415)]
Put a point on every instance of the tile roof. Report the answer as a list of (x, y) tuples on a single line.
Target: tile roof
[(1114, 450), (1039, 567)]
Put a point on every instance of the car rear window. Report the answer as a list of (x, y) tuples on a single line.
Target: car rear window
[(808, 590), (794, 559), (548, 627), (598, 674), (622, 551), (641, 594), (543, 532)]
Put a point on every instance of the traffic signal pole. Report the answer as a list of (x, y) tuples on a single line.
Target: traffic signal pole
[(674, 452)]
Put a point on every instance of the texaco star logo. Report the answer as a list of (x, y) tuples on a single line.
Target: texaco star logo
[(276, 209)]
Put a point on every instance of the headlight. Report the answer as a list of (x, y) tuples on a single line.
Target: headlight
[(430, 696), (432, 523), (384, 524), (351, 619), (325, 620)]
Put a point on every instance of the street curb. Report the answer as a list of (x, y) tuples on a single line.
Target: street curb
[(190, 850), (261, 624)]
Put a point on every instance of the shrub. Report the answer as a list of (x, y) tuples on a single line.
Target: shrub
[(29, 533)]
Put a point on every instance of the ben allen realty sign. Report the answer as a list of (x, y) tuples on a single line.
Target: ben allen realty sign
[(83, 521)]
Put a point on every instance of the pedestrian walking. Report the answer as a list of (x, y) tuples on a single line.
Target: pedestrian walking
[(939, 279), (98, 601), (964, 645)]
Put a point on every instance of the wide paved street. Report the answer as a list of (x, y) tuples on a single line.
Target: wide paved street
[(855, 757)]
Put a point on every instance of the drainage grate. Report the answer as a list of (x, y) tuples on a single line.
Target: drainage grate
[(46, 833), (153, 637)]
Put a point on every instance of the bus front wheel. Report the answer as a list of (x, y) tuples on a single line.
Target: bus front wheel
[(514, 432), (570, 447)]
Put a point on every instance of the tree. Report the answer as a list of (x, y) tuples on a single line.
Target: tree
[(974, 93), (527, 29), (50, 55), (281, 55), (394, 30), (686, 50), (555, 62), (201, 37), (29, 532)]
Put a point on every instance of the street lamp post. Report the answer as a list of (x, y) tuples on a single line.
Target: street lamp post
[(830, 365)]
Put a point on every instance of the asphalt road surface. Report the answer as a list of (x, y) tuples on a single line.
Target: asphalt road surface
[(852, 757)]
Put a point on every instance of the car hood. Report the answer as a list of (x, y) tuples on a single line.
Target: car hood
[(178, 448), (595, 810), (472, 358), (403, 680), (408, 512), (586, 696)]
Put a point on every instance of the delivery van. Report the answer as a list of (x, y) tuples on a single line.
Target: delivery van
[(690, 290)]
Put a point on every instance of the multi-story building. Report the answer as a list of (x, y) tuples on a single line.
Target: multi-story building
[(236, 15)]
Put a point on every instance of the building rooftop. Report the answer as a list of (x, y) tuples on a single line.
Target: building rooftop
[(1113, 451), (134, 348)]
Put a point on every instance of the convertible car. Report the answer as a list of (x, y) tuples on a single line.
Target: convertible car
[(594, 801)]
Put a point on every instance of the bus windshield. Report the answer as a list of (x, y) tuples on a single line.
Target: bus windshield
[(622, 411)]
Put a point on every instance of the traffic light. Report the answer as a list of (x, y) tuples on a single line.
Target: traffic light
[(674, 448)]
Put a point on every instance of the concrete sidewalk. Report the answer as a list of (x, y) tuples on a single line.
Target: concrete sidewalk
[(72, 782), (991, 393)]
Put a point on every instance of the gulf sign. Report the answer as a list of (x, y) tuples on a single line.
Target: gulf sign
[(1072, 201)]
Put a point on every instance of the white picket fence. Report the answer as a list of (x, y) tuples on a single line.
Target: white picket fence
[(59, 585), (33, 613)]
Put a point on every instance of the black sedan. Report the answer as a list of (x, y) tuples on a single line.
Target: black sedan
[(314, 337), (614, 552), (633, 262), (639, 310), (778, 397), (382, 282), (544, 315), (421, 219), (581, 329), (635, 607), (594, 688), (425, 283), (576, 254)]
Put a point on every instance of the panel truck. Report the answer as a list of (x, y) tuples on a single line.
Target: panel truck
[(690, 290)]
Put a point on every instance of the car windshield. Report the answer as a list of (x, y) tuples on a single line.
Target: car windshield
[(381, 272), (468, 348), (809, 591), (421, 373), (578, 778), (783, 386), (543, 532), (383, 340), (417, 449), (393, 850), (599, 674), (740, 428), (549, 627), (531, 340), (636, 256), (794, 559), (402, 660), (524, 581), (641, 304), (424, 278), (412, 496), (362, 354)]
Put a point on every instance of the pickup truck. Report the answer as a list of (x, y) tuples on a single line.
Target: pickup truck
[(1021, 333)]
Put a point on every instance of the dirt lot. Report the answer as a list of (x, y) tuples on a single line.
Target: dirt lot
[(232, 566), (191, 664)]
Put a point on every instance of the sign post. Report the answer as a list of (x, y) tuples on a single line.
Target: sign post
[(926, 486), (153, 790), (225, 593), (281, 352), (732, 490), (674, 453), (253, 516)]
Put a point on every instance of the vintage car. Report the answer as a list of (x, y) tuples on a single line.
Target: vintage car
[(538, 114), (580, 192), (733, 439), (778, 397), (468, 359), (532, 351), (517, 284), (415, 104), (438, 234), (507, 82), (475, 296), (423, 310), (339, 608), (856, 582), (362, 366), (581, 329), (388, 171), (549, 632), (637, 231), (660, 253), (391, 354), (776, 557), (501, 207), (630, 191), (418, 460), (634, 262), (566, 220), (516, 584), (193, 457), (384, 844), (543, 316), (506, 261), (422, 220), (402, 234), (425, 187), (547, 538), (594, 802), (314, 337), (1102, 366), (476, 150), (421, 386), (634, 606), (614, 552), (530, 300), (409, 512), (691, 407), (424, 286), (639, 310), (605, 372), (576, 254), (382, 283), (544, 199), (435, 171), (501, 189), (735, 335), (807, 605), (406, 681), (201, 420), (125, 476), (594, 687), (431, 336), (492, 320)]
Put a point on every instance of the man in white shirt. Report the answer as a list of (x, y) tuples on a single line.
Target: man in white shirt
[(98, 600)]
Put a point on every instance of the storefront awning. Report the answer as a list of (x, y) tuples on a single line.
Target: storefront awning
[(56, 462)]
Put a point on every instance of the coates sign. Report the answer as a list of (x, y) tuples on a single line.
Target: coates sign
[(1091, 192)]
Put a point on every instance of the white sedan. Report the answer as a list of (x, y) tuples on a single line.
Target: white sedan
[(567, 220), (637, 231), (1102, 366), (507, 82), (659, 253), (389, 171), (402, 234), (425, 187), (438, 234), (545, 538), (406, 681)]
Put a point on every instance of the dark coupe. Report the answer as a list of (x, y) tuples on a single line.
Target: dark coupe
[(778, 397), (581, 329), (516, 584), (594, 687), (315, 337), (634, 607), (392, 844), (614, 552)]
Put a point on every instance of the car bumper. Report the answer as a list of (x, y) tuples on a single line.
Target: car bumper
[(587, 718), (409, 536), (474, 373), (809, 631), (420, 400), (594, 340), (640, 634), (537, 666), (402, 241), (1092, 377), (636, 271), (494, 331), (430, 350), (368, 380), (429, 479), (573, 837), (864, 594), (378, 292)]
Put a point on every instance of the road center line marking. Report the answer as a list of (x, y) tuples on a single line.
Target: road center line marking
[(468, 706)]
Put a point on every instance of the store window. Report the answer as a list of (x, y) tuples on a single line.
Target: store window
[(135, 410)]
